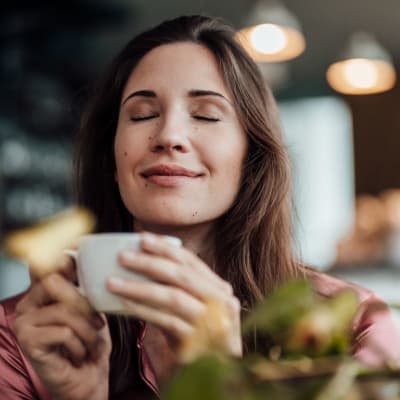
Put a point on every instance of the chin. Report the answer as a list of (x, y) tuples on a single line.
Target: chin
[(174, 215), (171, 220)]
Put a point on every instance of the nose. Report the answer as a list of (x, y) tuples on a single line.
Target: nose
[(172, 136)]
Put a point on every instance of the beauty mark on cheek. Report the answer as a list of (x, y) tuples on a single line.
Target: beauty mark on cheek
[(125, 153)]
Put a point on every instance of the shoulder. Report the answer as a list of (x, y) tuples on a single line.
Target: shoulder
[(376, 336), (327, 286), (17, 377)]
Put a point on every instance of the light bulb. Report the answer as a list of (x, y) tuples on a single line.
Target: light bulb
[(361, 76), (268, 38), (360, 73)]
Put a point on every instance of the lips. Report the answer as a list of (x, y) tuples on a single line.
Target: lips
[(169, 175), (169, 170)]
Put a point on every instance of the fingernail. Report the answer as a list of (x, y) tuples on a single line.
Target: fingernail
[(116, 281), (148, 239), (128, 255)]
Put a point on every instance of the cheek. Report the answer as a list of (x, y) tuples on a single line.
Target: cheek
[(233, 169), (233, 173), (123, 145), (121, 155), (231, 158)]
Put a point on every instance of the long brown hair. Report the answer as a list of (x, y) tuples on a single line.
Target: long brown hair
[(254, 250)]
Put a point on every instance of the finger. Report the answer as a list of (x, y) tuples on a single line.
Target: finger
[(171, 323), (66, 267), (36, 297), (40, 342), (160, 246), (168, 272), (61, 290), (60, 315), (166, 298), (55, 288)]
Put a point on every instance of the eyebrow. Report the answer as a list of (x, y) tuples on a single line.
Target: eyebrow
[(140, 93), (192, 93), (200, 93)]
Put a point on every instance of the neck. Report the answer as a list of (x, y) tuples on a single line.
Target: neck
[(197, 238)]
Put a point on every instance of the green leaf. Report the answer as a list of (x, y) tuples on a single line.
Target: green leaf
[(210, 378), (281, 308)]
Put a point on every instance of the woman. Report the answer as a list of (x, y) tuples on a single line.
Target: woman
[(182, 138)]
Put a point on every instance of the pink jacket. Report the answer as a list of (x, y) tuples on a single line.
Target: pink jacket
[(376, 339)]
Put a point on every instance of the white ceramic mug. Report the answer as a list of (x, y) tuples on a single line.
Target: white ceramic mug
[(97, 259)]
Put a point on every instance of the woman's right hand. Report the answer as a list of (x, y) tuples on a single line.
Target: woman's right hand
[(67, 342)]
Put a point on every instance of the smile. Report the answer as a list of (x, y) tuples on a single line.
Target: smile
[(169, 175)]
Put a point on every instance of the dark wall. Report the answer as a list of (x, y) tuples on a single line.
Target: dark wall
[(49, 53), (376, 140)]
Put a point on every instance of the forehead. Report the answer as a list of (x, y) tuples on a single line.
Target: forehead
[(180, 65)]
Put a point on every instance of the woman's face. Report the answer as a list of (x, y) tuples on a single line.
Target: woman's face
[(179, 146)]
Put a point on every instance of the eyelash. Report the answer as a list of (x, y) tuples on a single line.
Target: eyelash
[(205, 119), (198, 117), (144, 118)]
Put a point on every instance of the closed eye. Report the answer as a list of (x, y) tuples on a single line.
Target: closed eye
[(144, 117), (205, 118)]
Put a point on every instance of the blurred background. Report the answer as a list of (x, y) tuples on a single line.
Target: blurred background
[(343, 137)]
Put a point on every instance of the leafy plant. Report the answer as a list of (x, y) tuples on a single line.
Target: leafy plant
[(308, 358)]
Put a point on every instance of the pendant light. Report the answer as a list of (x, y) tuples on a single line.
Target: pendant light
[(365, 67), (271, 33)]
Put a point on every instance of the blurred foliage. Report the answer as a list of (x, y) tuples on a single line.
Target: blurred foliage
[(309, 357), (300, 322)]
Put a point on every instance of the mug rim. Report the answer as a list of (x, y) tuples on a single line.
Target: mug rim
[(111, 235)]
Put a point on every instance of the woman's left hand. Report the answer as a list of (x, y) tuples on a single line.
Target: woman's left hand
[(178, 291)]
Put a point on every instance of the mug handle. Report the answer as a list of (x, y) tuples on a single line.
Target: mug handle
[(74, 255), (71, 253)]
